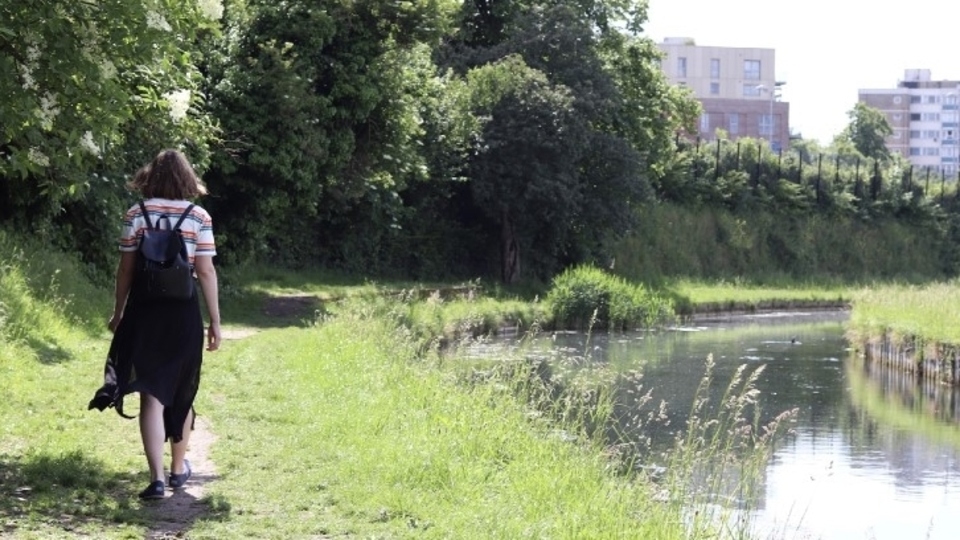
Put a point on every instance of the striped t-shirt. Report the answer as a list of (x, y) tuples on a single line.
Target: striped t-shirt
[(197, 228)]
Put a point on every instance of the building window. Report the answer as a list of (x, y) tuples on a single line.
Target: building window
[(914, 133), (914, 99), (930, 134), (915, 116), (766, 124), (714, 68), (751, 70), (733, 122), (705, 123), (715, 88), (930, 117), (930, 99), (681, 66), (914, 151), (751, 90), (951, 99), (931, 151)]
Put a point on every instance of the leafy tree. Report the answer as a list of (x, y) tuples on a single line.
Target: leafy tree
[(868, 130), (91, 89), (617, 117), (320, 106), (525, 178)]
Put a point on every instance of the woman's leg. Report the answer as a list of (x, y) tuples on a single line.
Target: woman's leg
[(153, 434), (179, 449)]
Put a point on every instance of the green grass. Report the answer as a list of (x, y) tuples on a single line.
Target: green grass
[(356, 437), (740, 295), (930, 312)]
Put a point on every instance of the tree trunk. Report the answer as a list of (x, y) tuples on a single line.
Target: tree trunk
[(509, 251)]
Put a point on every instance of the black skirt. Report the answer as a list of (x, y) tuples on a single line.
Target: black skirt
[(157, 349)]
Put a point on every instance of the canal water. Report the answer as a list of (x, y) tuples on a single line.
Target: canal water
[(872, 454)]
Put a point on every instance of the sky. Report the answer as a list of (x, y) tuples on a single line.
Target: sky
[(826, 50)]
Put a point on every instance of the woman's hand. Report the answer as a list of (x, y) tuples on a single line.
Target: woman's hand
[(213, 337), (114, 322)]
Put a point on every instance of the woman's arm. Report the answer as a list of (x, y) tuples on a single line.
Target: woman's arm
[(207, 274), (124, 280)]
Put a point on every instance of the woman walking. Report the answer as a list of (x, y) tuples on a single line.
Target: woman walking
[(157, 347)]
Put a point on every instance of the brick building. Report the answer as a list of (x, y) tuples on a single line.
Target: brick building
[(736, 86)]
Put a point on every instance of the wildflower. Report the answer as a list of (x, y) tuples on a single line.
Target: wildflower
[(87, 143), (38, 157), (179, 101), (211, 9)]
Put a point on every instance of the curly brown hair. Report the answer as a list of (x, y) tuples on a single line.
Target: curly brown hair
[(168, 176)]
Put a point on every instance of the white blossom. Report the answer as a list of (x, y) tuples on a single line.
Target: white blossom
[(38, 157), (29, 83), (157, 21), (211, 9), (108, 70), (179, 101), (87, 143), (48, 110), (26, 70)]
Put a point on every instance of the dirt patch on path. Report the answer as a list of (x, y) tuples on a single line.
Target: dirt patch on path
[(173, 516)]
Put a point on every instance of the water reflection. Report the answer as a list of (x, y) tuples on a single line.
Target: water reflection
[(874, 454)]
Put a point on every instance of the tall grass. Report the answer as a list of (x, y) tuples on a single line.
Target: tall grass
[(930, 312), (587, 296), (44, 294), (712, 473), (709, 243), (716, 469)]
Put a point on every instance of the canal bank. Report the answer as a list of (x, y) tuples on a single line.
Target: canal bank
[(870, 454)]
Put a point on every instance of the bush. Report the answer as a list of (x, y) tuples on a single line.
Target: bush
[(585, 297)]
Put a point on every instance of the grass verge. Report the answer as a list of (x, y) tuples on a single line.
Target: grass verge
[(327, 433)]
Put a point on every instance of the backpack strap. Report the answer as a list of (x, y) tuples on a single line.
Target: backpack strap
[(146, 215), (183, 216)]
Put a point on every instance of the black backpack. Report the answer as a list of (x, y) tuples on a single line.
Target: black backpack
[(163, 267)]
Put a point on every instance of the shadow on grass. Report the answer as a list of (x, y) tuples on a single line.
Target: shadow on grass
[(265, 310), (48, 352), (73, 492)]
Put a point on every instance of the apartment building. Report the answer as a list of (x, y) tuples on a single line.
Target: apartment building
[(737, 87), (924, 116)]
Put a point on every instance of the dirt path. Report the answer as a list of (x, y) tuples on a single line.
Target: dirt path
[(174, 516)]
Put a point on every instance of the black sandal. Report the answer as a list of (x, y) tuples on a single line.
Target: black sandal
[(178, 480), (154, 491)]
